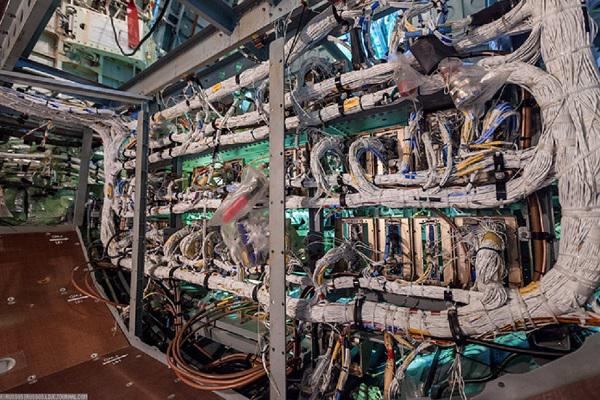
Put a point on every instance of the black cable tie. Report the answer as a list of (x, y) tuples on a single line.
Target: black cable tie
[(448, 296), (542, 236), (499, 252), (338, 84), (360, 103), (358, 311), (586, 17), (255, 292), (343, 200), (156, 100), (320, 117), (385, 98), (500, 175), (172, 271), (237, 79), (187, 102), (457, 333), (338, 18), (213, 124), (341, 108), (207, 277), (356, 282)]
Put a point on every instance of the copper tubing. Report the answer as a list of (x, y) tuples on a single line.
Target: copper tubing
[(390, 364), (204, 380), (90, 291), (539, 248), (538, 245)]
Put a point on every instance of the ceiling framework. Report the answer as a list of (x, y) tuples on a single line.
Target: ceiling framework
[(21, 26), (208, 46), (216, 12)]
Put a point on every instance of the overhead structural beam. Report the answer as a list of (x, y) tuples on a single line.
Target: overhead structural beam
[(27, 66), (72, 88), (21, 26), (207, 46), (216, 12)]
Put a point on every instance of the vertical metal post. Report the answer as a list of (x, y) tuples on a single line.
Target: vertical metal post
[(277, 316), (84, 171), (315, 252), (175, 220), (139, 223)]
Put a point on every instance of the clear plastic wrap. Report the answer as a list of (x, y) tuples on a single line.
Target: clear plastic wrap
[(251, 191), (471, 86), (246, 240), (406, 77)]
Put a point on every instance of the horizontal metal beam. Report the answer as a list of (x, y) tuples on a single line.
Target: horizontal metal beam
[(21, 27), (72, 88), (216, 12), (207, 46), (27, 65)]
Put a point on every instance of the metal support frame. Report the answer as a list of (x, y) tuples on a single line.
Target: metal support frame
[(216, 12), (84, 172), (578, 366), (72, 88), (22, 25), (277, 286), (139, 223), (207, 46)]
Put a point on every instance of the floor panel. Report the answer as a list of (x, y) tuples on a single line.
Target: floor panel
[(124, 374), (45, 325)]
